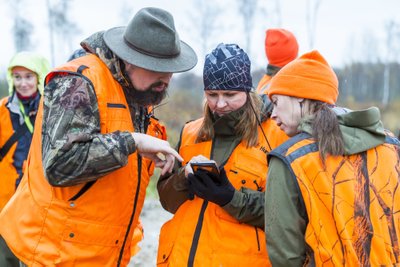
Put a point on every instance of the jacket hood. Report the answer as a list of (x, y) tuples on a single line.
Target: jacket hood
[(361, 129), (35, 62)]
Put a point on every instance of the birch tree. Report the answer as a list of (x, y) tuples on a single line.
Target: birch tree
[(204, 20), (392, 30), (61, 28), (247, 10), (311, 20)]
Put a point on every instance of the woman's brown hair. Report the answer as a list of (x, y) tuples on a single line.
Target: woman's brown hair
[(247, 124), (326, 130)]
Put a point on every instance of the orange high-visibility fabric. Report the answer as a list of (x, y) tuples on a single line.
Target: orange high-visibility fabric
[(222, 240), (352, 206), (263, 84), (43, 227), (8, 173), (137, 237)]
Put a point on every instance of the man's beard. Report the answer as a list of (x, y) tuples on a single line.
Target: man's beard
[(148, 97)]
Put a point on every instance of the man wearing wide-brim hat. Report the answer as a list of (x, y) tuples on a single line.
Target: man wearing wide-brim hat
[(95, 147)]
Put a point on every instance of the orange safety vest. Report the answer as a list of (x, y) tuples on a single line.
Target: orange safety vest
[(263, 85), (353, 206), (88, 224), (8, 173), (202, 233)]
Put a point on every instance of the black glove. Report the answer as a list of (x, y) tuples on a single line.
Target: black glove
[(208, 186)]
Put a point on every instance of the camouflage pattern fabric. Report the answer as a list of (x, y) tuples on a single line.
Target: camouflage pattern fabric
[(73, 150)]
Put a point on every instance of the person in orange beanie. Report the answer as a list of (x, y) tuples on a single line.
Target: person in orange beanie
[(281, 47), (332, 193)]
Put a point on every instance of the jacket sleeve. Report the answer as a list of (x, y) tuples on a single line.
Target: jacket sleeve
[(173, 189), (247, 206), (285, 217), (73, 149)]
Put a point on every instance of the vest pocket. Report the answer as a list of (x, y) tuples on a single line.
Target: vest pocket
[(116, 117), (163, 253), (250, 170), (166, 243), (93, 233), (116, 105), (244, 240)]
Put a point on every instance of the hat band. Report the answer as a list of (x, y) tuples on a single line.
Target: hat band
[(149, 53)]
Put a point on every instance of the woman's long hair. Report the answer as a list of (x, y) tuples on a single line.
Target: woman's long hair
[(326, 130), (247, 123)]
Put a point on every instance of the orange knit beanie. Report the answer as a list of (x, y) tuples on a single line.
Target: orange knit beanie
[(281, 47), (309, 76)]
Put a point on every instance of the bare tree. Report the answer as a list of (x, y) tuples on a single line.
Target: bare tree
[(369, 48), (392, 30), (51, 31), (270, 14), (58, 19), (247, 10), (278, 13), (204, 19), (311, 20), (273, 11), (22, 28), (126, 12)]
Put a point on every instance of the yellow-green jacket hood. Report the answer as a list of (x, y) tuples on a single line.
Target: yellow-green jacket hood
[(35, 62)]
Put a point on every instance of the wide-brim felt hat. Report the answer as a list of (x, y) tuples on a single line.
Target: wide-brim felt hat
[(150, 41)]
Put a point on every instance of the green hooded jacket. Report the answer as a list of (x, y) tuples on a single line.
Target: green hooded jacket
[(361, 131)]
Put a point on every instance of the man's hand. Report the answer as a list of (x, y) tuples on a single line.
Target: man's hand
[(205, 187), (159, 151)]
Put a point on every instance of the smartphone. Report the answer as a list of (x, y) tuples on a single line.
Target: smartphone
[(209, 166)]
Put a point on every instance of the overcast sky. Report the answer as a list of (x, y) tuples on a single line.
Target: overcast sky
[(342, 28)]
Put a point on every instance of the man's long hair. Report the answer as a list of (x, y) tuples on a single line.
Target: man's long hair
[(247, 124)]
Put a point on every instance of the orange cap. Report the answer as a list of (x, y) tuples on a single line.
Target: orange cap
[(281, 47), (309, 76)]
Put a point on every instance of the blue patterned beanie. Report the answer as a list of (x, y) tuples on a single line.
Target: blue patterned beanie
[(227, 67)]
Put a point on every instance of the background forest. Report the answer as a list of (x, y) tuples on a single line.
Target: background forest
[(359, 38), (370, 75)]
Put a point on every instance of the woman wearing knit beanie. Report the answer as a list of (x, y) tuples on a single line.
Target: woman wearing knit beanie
[(25, 76), (281, 47), (332, 194), (219, 218)]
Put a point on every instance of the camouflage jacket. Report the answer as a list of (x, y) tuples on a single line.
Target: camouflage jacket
[(73, 149)]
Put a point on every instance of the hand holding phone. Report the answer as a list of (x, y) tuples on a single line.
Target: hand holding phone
[(202, 185), (210, 166)]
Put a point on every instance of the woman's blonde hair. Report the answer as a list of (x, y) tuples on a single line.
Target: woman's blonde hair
[(247, 124)]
